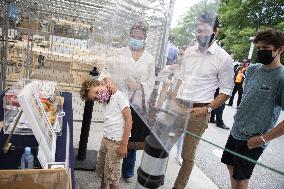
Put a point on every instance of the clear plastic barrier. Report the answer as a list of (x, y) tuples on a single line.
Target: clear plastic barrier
[(161, 53)]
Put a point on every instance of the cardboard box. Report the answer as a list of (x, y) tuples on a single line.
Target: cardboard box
[(35, 179)]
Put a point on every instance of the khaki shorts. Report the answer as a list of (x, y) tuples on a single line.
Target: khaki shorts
[(109, 163)]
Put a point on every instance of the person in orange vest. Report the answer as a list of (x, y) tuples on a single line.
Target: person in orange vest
[(239, 79)]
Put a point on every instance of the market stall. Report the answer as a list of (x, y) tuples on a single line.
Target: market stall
[(63, 41), (64, 151)]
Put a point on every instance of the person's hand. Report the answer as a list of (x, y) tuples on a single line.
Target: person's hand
[(132, 84), (122, 150), (199, 112), (174, 67), (110, 85), (172, 95), (254, 142), (1, 125)]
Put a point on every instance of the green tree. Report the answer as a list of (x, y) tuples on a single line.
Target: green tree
[(183, 32), (239, 19)]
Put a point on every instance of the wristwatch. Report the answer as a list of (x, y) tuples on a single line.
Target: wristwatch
[(209, 109)]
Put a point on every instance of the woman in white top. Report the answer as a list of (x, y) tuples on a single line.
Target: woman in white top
[(132, 69)]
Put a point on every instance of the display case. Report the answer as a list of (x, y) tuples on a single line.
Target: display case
[(50, 98)]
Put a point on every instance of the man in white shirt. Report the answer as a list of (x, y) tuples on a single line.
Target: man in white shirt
[(205, 67)]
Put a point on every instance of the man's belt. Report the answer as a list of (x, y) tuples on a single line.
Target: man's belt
[(194, 105)]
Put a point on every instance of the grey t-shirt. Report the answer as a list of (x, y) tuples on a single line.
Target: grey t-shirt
[(262, 100)]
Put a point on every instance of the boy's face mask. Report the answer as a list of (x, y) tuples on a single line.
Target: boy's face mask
[(103, 96), (265, 57)]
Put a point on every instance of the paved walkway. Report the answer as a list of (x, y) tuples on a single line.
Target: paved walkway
[(88, 180)]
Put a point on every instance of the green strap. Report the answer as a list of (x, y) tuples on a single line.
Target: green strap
[(238, 155)]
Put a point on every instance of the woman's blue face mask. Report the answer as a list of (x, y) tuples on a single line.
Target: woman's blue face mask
[(136, 43)]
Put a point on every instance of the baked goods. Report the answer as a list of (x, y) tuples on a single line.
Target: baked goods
[(50, 109)]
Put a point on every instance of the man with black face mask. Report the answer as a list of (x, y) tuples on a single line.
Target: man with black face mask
[(263, 99), (204, 68)]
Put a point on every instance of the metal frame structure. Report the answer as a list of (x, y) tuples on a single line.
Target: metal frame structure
[(114, 16), (122, 13), (4, 49)]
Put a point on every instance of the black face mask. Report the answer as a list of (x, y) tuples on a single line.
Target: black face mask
[(264, 57), (203, 41)]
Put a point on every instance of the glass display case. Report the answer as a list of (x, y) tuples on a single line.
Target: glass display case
[(50, 99), (12, 108)]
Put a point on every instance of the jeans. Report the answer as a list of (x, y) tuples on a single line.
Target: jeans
[(237, 88), (219, 114), (129, 164)]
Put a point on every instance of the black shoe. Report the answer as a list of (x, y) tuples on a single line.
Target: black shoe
[(212, 121), (223, 126)]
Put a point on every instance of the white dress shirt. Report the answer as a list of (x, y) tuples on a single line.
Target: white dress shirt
[(121, 66), (203, 73)]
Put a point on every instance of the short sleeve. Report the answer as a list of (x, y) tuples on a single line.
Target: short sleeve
[(226, 78), (249, 72), (122, 101), (280, 94)]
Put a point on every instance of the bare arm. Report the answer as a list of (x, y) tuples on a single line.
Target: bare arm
[(276, 132), (126, 133), (177, 87), (203, 111), (162, 96), (219, 100), (128, 125)]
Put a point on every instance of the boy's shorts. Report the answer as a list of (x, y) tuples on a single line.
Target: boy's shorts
[(109, 162), (242, 168)]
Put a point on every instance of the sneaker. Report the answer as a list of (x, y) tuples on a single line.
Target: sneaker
[(129, 179), (179, 160)]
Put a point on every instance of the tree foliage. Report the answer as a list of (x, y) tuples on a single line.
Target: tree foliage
[(183, 32), (239, 20)]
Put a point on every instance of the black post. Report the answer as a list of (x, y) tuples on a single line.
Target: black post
[(86, 159), (85, 129), (151, 173)]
